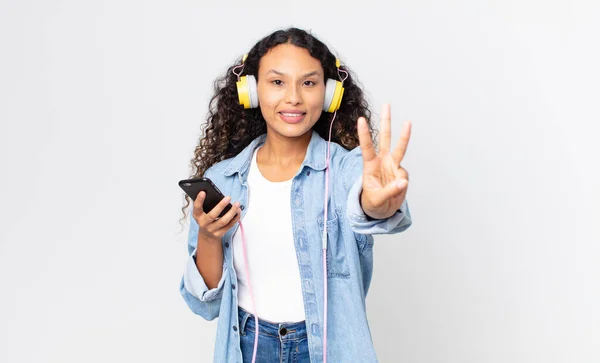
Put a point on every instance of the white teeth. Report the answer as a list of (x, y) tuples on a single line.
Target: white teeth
[(291, 114)]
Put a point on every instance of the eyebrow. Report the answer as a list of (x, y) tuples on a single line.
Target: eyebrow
[(313, 73)]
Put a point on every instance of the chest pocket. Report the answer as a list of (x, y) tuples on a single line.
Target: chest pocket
[(337, 266)]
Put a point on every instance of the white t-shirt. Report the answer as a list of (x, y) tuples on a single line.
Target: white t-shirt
[(272, 260)]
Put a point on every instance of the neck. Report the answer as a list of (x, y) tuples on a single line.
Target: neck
[(284, 152)]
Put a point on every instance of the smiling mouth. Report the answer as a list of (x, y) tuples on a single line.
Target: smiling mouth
[(288, 114), (292, 117)]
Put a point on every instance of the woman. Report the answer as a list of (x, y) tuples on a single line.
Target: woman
[(272, 160)]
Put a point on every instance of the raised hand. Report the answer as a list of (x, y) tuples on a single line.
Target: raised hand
[(385, 182)]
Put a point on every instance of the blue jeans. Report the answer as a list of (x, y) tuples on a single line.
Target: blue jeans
[(277, 342)]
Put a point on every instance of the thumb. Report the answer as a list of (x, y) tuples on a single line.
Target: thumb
[(199, 202), (393, 189)]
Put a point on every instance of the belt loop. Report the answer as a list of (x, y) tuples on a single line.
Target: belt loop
[(245, 316)]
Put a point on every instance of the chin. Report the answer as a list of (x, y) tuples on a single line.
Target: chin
[(292, 130)]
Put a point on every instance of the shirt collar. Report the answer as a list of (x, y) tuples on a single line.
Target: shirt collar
[(314, 159)]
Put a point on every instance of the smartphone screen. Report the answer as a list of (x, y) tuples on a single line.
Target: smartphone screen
[(192, 187)]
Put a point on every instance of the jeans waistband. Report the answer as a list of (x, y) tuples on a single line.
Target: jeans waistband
[(283, 331)]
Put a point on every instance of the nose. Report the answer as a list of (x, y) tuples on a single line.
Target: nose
[(293, 95)]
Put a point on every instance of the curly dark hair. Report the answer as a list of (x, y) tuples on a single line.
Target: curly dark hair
[(230, 127)]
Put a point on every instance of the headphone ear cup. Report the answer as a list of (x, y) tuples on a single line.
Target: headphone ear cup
[(333, 95), (247, 91), (252, 91)]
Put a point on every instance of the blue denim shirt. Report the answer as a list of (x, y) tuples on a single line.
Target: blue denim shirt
[(349, 253)]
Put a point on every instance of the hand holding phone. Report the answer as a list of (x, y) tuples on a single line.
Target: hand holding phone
[(213, 195), (212, 210)]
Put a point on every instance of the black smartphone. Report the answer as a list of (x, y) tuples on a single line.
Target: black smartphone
[(213, 195)]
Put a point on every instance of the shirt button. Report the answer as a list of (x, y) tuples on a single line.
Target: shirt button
[(308, 173), (233, 286), (226, 244), (235, 328), (242, 207)]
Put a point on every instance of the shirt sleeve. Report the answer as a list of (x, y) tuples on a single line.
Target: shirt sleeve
[(199, 298), (195, 285)]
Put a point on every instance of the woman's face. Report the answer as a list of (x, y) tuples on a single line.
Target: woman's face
[(291, 90)]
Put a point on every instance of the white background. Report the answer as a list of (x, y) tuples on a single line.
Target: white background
[(100, 109)]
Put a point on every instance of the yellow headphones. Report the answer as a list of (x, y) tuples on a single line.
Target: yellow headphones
[(248, 95)]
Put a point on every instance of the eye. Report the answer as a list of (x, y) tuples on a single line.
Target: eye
[(277, 82), (309, 83)]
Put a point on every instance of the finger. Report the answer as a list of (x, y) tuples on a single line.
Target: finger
[(365, 141), (227, 217), (214, 213), (391, 190), (400, 173), (199, 215), (400, 150), (231, 223), (385, 130), (198, 202)]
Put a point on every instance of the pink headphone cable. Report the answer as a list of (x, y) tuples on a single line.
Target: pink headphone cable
[(250, 288), (325, 245), (325, 233)]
